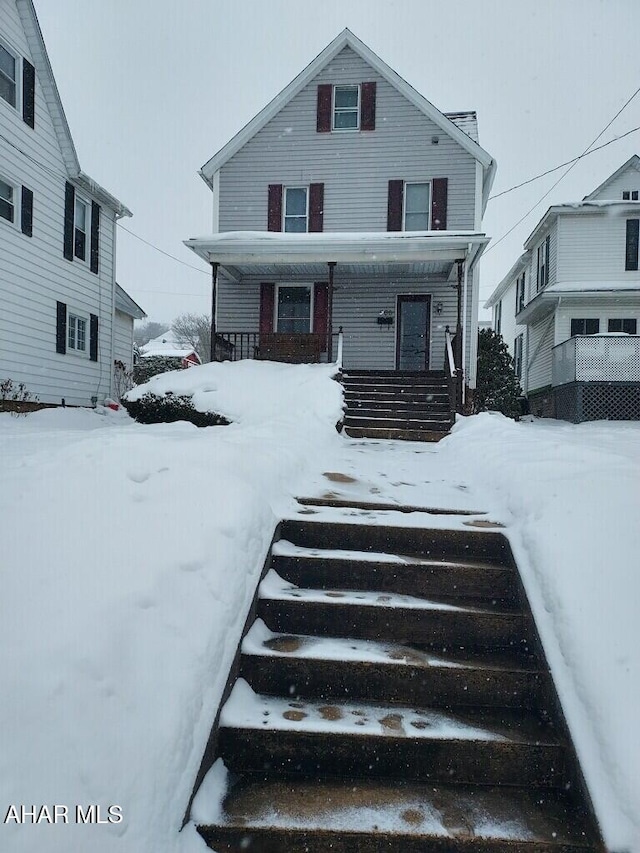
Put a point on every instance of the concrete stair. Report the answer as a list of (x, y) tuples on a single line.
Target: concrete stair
[(393, 695), (396, 405)]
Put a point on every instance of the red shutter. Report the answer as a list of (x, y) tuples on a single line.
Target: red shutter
[(321, 311), (368, 106), (323, 121), (316, 206), (267, 305), (394, 208), (274, 214), (439, 204)]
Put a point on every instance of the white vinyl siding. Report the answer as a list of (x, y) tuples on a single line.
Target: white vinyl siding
[(540, 345), (354, 167), (628, 180), (123, 339), (602, 309), (593, 247), (33, 280)]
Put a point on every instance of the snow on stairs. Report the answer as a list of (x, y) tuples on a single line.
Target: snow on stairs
[(393, 696), (396, 404)]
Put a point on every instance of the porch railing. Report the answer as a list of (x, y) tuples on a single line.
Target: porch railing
[(597, 358), (453, 370), (234, 346)]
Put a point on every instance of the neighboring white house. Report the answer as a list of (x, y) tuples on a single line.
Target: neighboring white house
[(58, 330), (349, 201), (569, 308), (168, 346)]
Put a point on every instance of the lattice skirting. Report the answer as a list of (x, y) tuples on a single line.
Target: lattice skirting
[(597, 401)]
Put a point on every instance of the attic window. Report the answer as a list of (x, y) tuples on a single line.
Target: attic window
[(630, 195), (8, 76), (346, 107)]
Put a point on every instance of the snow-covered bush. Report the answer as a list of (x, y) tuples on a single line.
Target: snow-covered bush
[(498, 388), (167, 408), (154, 365)]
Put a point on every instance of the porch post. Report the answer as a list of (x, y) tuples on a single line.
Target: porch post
[(458, 347), (214, 301), (331, 265)]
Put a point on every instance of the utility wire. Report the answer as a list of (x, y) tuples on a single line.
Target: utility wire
[(555, 168), (162, 251), (562, 176)]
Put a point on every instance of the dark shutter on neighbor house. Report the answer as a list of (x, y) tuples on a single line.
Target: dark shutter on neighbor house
[(394, 207), (95, 237), (61, 327), (267, 306), (631, 255), (69, 207), (323, 118), (316, 207), (274, 214), (26, 212), (439, 190), (93, 337), (28, 93), (368, 106), (321, 311)]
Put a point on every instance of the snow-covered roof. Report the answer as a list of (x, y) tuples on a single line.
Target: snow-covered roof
[(47, 82), (593, 286), (127, 305), (580, 208), (462, 129), (167, 345)]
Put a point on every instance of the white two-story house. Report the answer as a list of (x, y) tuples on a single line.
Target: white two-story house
[(569, 308), (58, 299), (349, 202)]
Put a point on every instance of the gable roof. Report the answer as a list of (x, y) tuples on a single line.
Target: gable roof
[(127, 305), (463, 136), (631, 162), (47, 82), (507, 281)]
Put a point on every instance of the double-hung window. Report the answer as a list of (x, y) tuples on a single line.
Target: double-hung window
[(80, 228), (7, 201), (76, 333), (293, 309), (520, 290), (497, 318), (296, 209), (417, 207), (346, 107), (8, 76), (585, 326), (543, 263)]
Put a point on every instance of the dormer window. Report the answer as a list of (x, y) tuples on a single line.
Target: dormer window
[(630, 195), (346, 107)]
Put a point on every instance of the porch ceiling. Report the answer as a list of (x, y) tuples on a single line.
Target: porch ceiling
[(343, 271)]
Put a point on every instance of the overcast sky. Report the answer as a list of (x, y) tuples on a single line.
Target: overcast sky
[(152, 89)]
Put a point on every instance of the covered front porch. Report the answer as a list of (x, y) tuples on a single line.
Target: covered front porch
[(384, 300)]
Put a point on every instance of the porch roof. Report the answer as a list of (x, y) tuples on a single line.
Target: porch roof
[(268, 253)]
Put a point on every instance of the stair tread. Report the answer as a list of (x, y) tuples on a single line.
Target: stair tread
[(260, 641), (247, 710), (412, 810)]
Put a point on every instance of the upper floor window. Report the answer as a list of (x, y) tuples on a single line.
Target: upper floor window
[(630, 195), (623, 324), (8, 76), (346, 107), (80, 228), (520, 291), (543, 263), (631, 249), (497, 320), (584, 326), (417, 207), (296, 209), (7, 201)]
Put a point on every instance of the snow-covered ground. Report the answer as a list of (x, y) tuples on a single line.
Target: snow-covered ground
[(130, 554)]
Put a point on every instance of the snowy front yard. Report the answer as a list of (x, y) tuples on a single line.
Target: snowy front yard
[(130, 555)]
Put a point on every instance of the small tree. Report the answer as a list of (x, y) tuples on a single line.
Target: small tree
[(194, 330), (145, 332), (498, 388)]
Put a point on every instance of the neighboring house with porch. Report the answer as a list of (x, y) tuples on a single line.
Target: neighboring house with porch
[(569, 308), (58, 299), (349, 202)]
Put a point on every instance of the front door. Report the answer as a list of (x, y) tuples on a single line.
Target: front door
[(412, 332)]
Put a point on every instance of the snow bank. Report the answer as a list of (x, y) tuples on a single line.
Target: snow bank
[(570, 498), (130, 555)]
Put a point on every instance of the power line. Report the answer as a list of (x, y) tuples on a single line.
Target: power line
[(563, 175), (555, 168), (162, 252)]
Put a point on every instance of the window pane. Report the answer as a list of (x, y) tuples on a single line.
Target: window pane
[(346, 120), (628, 325), (294, 309), (82, 328), (72, 331), (296, 202), (592, 327), (81, 216), (417, 198), (295, 224), (7, 64), (79, 244), (416, 222), (346, 96), (6, 201)]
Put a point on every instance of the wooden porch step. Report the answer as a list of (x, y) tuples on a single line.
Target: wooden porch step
[(395, 434), (272, 734), (339, 668), (275, 815), (404, 619), (397, 389), (423, 424), (406, 411), (406, 374), (320, 569)]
